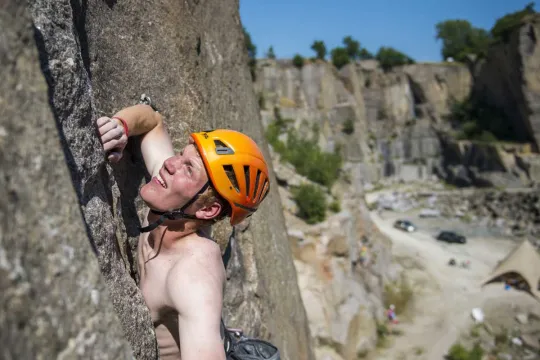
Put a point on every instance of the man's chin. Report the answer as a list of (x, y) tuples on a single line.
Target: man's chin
[(148, 196)]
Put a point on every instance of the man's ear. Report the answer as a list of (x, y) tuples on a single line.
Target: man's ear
[(209, 212)]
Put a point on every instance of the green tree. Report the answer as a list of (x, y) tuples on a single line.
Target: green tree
[(460, 39), (298, 61), (340, 57), (252, 53), (389, 57), (270, 53), (504, 25), (365, 54), (352, 46), (319, 48)]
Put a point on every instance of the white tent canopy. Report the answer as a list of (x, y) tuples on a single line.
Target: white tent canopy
[(523, 262)]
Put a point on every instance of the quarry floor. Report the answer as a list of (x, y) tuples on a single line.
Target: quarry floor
[(444, 295)]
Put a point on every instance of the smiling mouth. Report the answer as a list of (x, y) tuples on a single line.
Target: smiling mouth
[(160, 181)]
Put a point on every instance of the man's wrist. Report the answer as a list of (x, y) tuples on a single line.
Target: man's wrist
[(123, 123)]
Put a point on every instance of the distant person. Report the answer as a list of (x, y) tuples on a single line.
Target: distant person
[(219, 173), (363, 255), (391, 314)]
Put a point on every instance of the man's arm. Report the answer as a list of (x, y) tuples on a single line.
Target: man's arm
[(156, 145), (195, 290)]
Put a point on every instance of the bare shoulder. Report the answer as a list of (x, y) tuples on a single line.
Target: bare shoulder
[(199, 269)]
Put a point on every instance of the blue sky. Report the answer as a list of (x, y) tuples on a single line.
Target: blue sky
[(291, 26)]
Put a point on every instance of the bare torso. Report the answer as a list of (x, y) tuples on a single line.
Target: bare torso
[(153, 272)]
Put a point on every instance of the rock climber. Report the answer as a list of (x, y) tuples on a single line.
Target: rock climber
[(219, 173), (391, 314)]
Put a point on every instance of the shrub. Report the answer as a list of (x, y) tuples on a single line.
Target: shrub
[(505, 25), (340, 57), (304, 154), (482, 122), (365, 54), (389, 57), (308, 159), (348, 126), (335, 206), (459, 352), (298, 61), (477, 353), (311, 203)]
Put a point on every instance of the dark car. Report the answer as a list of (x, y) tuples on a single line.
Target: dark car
[(451, 237), (405, 225)]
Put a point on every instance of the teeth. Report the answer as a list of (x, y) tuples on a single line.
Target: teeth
[(160, 180)]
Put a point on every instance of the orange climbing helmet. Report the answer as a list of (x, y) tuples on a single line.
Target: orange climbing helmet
[(236, 168)]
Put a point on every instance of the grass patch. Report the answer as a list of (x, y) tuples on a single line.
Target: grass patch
[(459, 352), (398, 293), (382, 335), (475, 331)]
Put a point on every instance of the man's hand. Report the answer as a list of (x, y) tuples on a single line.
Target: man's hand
[(113, 138)]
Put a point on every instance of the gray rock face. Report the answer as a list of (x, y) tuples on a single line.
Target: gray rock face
[(516, 87), (98, 57), (476, 164), (54, 302), (65, 65)]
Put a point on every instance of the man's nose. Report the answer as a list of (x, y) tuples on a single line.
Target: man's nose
[(171, 164)]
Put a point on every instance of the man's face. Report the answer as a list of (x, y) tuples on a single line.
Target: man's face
[(179, 179)]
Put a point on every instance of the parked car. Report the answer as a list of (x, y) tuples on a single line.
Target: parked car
[(405, 225), (451, 237)]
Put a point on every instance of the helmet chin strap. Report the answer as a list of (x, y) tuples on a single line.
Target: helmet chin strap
[(175, 214)]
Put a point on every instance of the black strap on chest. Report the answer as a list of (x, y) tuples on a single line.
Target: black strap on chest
[(228, 250)]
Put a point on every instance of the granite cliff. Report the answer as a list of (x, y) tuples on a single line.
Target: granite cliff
[(65, 63), (402, 128)]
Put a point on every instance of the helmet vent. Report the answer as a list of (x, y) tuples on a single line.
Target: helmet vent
[(229, 170), (246, 173), (265, 190), (256, 187), (222, 149)]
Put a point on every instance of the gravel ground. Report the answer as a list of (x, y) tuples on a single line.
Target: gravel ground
[(444, 295)]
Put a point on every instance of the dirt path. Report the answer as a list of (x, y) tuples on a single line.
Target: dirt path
[(444, 295)]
